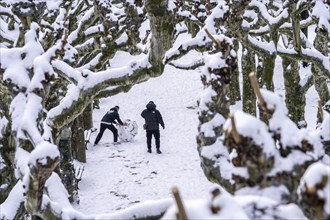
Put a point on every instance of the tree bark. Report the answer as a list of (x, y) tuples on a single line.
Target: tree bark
[(248, 66), (294, 92), (67, 170), (162, 29), (88, 117), (262, 82), (217, 80), (39, 173), (7, 145), (321, 80), (77, 139), (7, 174), (269, 66), (235, 92)]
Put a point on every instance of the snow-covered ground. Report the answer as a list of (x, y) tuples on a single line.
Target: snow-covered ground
[(120, 176)]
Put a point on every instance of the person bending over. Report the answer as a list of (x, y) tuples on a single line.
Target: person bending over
[(107, 122)]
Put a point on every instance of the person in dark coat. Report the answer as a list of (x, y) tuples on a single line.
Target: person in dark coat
[(152, 119), (110, 118)]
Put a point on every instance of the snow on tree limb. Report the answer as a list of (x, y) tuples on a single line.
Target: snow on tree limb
[(314, 189), (10, 208)]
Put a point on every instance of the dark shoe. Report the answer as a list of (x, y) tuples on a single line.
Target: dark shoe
[(149, 151), (116, 143), (158, 151), (94, 145)]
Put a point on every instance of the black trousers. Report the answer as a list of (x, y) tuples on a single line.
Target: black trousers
[(102, 129), (156, 134)]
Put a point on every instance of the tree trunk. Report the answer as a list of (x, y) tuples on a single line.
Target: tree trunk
[(262, 82), (7, 146), (7, 173), (219, 105), (235, 92), (87, 117), (66, 164), (248, 66), (269, 66), (294, 93), (77, 139), (215, 108), (321, 81), (39, 173), (162, 29)]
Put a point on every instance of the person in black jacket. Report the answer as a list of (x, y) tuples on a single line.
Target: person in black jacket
[(110, 118), (152, 119)]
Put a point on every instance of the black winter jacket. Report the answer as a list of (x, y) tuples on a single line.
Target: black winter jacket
[(152, 117), (111, 117)]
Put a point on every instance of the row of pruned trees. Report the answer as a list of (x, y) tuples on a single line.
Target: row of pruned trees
[(269, 153), (55, 65)]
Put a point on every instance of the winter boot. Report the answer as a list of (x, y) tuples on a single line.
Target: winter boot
[(149, 150), (158, 151)]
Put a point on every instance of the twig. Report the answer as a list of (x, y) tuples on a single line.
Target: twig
[(256, 89), (320, 110), (28, 21), (188, 67), (215, 208), (213, 39), (216, 192), (64, 39), (236, 135), (182, 213), (79, 173)]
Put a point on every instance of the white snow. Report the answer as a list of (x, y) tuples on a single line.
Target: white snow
[(321, 11), (313, 176), (122, 39), (259, 133), (14, 199), (42, 152)]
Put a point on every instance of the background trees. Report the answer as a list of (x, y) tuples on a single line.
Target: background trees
[(55, 66)]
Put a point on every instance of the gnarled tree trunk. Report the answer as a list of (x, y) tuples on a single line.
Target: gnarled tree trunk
[(294, 92), (162, 29)]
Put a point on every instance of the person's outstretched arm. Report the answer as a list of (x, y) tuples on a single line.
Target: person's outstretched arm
[(119, 120)]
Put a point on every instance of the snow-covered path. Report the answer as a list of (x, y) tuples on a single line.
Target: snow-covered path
[(118, 177)]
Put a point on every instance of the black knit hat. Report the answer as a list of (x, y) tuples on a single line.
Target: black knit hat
[(116, 108)]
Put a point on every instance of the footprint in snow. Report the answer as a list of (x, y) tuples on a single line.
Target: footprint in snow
[(118, 195), (115, 156), (134, 202), (152, 175)]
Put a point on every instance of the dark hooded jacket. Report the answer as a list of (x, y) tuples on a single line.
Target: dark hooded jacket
[(152, 117), (112, 116)]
